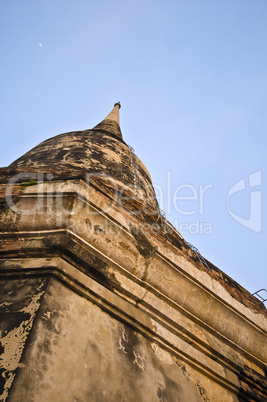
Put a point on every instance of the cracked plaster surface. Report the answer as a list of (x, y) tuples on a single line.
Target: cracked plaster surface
[(17, 316)]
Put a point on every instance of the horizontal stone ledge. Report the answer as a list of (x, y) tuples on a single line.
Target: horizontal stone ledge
[(155, 288), (125, 311), (119, 217)]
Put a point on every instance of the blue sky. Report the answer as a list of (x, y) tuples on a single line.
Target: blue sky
[(191, 76)]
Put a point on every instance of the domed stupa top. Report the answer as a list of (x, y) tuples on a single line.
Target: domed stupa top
[(99, 151)]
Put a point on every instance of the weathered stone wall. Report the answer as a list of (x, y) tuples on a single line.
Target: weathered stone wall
[(128, 314), (20, 300), (78, 352)]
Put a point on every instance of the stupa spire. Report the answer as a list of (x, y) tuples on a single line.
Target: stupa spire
[(111, 123), (114, 114)]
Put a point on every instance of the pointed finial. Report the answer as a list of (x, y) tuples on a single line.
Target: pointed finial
[(111, 122), (114, 114)]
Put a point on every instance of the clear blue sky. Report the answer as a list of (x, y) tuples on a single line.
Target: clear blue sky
[(191, 76)]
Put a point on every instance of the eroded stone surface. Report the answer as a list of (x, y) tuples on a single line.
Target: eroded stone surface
[(78, 352), (97, 153), (19, 302)]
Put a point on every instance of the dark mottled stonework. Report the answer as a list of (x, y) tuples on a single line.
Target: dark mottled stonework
[(19, 302), (111, 360), (97, 152), (253, 387)]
